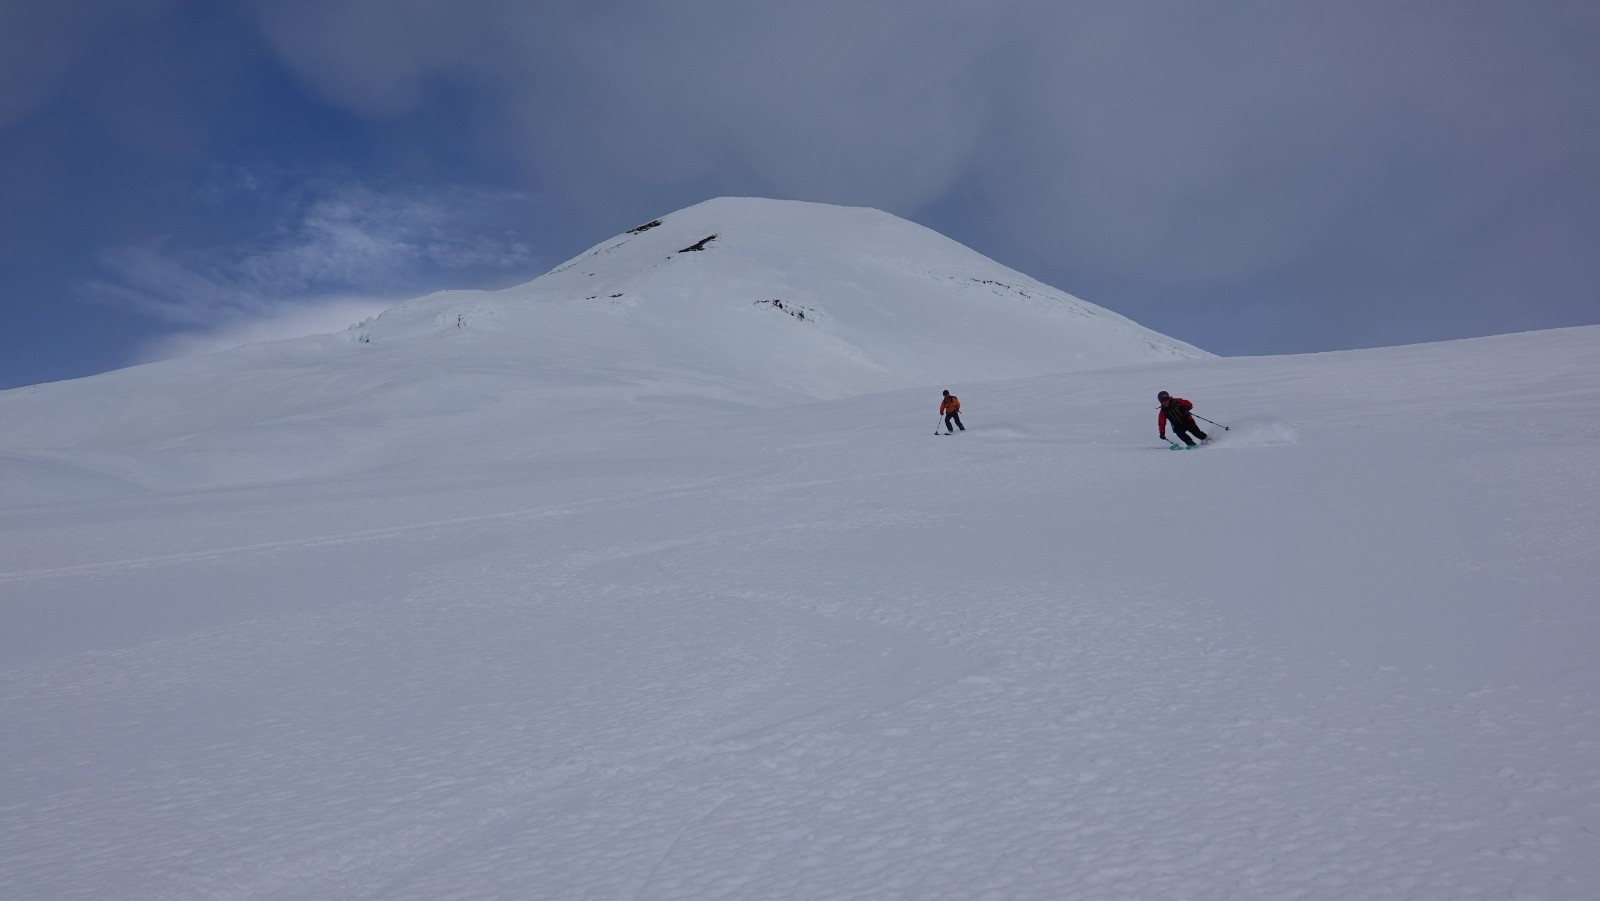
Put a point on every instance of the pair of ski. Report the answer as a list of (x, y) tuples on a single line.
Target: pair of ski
[(1173, 445)]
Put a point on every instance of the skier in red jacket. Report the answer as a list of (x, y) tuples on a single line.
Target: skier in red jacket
[(1175, 410)]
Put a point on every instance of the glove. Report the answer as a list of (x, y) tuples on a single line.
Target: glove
[(1163, 436)]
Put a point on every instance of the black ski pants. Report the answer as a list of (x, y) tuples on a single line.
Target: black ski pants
[(1184, 430), (955, 415)]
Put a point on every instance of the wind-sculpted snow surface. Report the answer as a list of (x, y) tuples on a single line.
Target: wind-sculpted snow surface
[(816, 652)]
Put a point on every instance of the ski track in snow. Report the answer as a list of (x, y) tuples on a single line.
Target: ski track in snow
[(818, 653)]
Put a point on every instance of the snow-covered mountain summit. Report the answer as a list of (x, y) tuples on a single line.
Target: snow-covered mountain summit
[(784, 299), (732, 303)]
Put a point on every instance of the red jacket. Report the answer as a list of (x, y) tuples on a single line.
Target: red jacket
[(1183, 406), (950, 404)]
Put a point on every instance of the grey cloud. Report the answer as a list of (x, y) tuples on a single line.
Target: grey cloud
[(41, 42), (375, 56), (849, 102), (1198, 140), (866, 103), (1219, 142)]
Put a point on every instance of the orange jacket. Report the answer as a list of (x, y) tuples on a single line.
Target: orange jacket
[(950, 404)]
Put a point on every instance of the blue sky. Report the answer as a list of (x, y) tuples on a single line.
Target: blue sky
[(1253, 177)]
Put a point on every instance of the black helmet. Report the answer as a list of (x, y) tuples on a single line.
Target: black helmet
[(947, 392), (1163, 396)]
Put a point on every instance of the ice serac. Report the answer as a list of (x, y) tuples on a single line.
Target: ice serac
[(734, 303)]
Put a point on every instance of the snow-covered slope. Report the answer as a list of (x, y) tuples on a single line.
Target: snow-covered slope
[(814, 651), (782, 302)]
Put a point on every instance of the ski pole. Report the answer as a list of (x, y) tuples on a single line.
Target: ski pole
[(1198, 416)]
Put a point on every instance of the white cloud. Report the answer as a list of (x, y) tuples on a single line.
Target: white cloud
[(151, 282), (295, 320), (357, 237), (342, 244)]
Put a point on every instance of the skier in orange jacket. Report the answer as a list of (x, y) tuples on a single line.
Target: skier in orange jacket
[(950, 409)]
